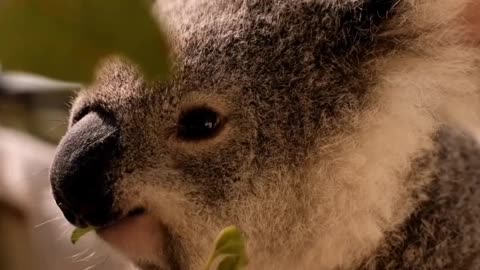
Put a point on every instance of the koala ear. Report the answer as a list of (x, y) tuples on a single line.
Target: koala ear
[(472, 16)]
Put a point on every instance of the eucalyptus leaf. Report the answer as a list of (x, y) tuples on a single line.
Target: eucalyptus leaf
[(79, 232), (232, 263), (230, 249), (65, 39)]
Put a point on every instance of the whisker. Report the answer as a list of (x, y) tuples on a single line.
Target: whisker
[(87, 258), (40, 171), (48, 221), (61, 121), (64, 233), (107, 258), (90, 267), (86, 250)]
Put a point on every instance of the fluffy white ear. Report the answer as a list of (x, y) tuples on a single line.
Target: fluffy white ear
[(472, 15)]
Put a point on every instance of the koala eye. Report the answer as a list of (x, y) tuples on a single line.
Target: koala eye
[(198, 124)]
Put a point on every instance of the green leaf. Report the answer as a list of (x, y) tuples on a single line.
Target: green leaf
[(79, 232), (232, 263), (230, 247), (65, 39)]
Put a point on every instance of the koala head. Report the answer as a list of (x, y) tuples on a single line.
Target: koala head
[(296, 121)]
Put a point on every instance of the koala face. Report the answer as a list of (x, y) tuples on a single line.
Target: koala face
[(297, 121)]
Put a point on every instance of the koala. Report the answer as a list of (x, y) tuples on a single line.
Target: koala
[(336, 135)]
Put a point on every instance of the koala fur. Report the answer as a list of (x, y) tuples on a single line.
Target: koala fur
[(350, 140)]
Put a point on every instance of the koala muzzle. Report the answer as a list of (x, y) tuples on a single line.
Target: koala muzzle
[(81, 173)]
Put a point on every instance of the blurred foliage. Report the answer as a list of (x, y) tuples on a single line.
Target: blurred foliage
[(65, 39)]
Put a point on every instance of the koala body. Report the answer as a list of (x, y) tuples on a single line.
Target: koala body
[(334, 134)]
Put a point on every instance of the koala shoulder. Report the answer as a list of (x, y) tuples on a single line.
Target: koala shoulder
[(445, 227)]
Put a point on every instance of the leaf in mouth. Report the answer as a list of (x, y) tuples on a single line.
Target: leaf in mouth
[(79, 232), (229, 248)]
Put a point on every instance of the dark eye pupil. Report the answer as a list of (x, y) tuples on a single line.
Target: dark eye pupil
[(198, 124)]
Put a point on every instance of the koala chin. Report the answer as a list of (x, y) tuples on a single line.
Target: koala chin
[(337, 135)]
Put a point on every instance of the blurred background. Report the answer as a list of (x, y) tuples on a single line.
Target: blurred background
[(33, 232), (42, 114)]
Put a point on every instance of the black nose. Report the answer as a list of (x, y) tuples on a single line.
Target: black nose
[(81, 173)]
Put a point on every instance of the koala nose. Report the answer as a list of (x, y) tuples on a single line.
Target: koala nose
[(81, 176)]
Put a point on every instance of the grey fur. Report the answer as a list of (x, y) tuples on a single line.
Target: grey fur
[(308, 87), (444, 233)]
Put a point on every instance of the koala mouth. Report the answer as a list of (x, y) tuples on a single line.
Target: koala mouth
[(139, 236), (122, 222), (137, 212)]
